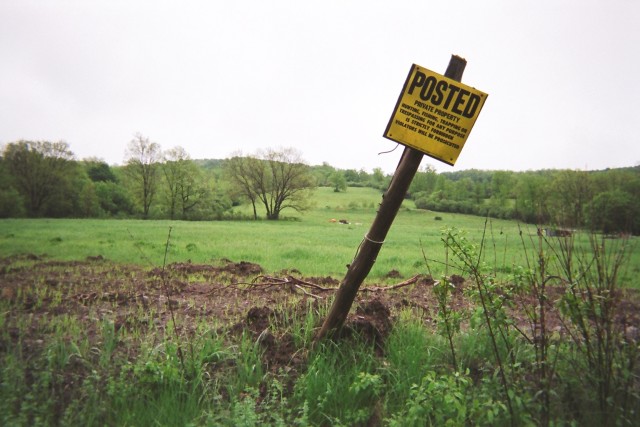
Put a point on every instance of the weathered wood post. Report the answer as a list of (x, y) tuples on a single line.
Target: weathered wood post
[(373, 240)]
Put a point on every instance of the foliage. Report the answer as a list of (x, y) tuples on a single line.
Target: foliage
[(11, 203), (323, 174), (424, 181), (99, 171), (614, 211), (565, 198), (114, 199), (171, 185), (605, 352), (183, 179), (601, 349), (94, 367), (43, 173), (438, 400), (338, 181), (448, 321), (349, 398), (142, 161), (276, 179)]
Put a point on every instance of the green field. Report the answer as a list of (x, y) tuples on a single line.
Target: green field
[(119, 342), (308, 242)]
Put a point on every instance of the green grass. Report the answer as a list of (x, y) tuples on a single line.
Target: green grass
[(308, 242), (75, 367), (351, 396)]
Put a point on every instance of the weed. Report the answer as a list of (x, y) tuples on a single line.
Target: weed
[(590, 304), (411, 351), (72, 353), (341, 385), (109, 342), (448, 320), (249, 369), (300, 323), (486, 292), (436, 400)]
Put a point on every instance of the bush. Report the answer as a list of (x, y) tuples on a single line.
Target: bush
[(11, 204), (113, 199), (613, 212)]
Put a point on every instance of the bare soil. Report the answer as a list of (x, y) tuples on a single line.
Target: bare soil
[(231, 296)]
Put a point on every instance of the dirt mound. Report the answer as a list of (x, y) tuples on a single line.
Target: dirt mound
[(393, 274), (184, 269), (372, 321), (324, 281), (258, 319), (232, 296)]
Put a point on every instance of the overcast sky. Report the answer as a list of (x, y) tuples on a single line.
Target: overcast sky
[(216, 77)]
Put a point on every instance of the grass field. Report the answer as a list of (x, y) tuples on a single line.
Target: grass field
[(308, 242), (94, 334)]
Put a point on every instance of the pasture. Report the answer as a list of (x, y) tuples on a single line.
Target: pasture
[(308, 242)]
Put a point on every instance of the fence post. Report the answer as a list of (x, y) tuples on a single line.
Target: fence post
[(373, 240)]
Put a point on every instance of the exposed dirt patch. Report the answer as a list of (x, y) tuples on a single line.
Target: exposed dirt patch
[(230, 296), (393, 274)]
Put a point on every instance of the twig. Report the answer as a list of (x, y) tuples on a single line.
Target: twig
[(407, 282), (289, 280), (168, 295), (308, 293), (313, 285), (264, 282)]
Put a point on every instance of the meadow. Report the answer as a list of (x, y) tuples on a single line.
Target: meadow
[(308, 242), (97, 328)]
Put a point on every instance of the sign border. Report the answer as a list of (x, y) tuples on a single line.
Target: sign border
[(422, 149)]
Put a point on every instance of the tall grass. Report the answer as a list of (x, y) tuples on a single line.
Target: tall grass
[(341, 385)]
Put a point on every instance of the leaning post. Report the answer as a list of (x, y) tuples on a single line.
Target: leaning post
[(373, 240)]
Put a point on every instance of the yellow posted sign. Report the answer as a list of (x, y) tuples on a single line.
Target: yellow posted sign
[(434, 114)]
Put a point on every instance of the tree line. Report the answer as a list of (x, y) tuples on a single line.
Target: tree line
[(605, 200), (43, 179)]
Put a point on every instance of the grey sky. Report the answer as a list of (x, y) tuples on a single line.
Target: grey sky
[(214, 77)]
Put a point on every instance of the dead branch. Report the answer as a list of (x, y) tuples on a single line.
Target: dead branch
[(407, 282), (312, 285), (268, 281), (308, 293), (264, 282)]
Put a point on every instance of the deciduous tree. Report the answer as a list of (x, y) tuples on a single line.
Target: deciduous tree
[(276, 179), (613, 212), (569, 193), (142, 159), (424, 181), (99, 171), (338, 181), (184, 188), (242, 172), (41, 172), (531, 197)]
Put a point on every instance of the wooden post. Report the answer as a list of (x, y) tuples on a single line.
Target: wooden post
[(373, 240)]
